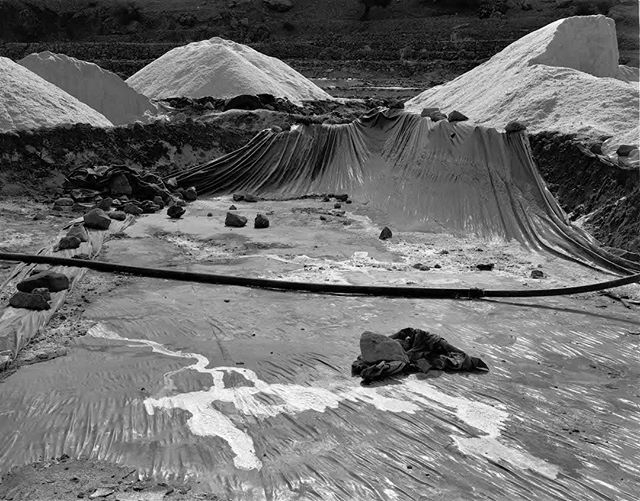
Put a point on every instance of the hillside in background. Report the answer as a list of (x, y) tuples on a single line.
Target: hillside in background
[(427, 41)]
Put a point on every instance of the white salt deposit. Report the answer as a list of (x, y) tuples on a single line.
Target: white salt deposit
[(103, 90), (564, 77), (27, 101), (222, 69)]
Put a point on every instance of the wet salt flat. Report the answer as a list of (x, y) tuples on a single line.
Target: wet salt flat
[(250, 391)]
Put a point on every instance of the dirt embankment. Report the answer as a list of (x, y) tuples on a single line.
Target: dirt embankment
[(604, 198)]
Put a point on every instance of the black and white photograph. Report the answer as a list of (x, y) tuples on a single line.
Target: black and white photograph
[(319, 250)]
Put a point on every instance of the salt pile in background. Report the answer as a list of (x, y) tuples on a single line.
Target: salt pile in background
[(27, 101), (222, 69), (564, 77), (104, 91)]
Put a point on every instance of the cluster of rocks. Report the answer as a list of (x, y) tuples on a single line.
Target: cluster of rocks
[(34, 292), (236, 221), (436, 115)]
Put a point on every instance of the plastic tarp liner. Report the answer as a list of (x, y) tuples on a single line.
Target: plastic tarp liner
[(424, 175)]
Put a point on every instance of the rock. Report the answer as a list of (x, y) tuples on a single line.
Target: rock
[(172, 183), (148, 207), (120, 185), (421, 267), (68, 243), (209, 214), (84, 195), (485, 266), (337, 206), (278, 5), (596, 148), (132, 209), (250, 198), (78, 231), (515, 127), (238, 197), (233, 207), (64, 202), (29, 301), (158, 201), (341, 198), (175, 211), (385, 234), (117, 215), (101, 492), (105, 203), (190, 194), (537, 274), (234, 220), (97, 219), (260, 222), (437, 266), (43, 291), (437, 116), (116, 204), (625, 149), (376, 348), (349, 201), (326, 199), (456, 116), (427, 112), (51, 280), (323, 218)]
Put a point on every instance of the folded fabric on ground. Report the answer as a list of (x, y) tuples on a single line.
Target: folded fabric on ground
[(408, 351)]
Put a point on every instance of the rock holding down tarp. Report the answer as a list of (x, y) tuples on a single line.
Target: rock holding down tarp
[(51, 280), (29, 301), (408, 351)]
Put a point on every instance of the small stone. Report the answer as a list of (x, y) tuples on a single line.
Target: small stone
[(116, 204), (78, 231), (117, 215), (68, 243), (596, 148), (43, 291), (64, 202), (326, 199), (51, 280), (625, 149), (341, 198), (97, 219), (120, 185), (190, 194), (349, 201), (209, 214), (238, 197), (234, 220), (233, 207), (485, 266), (456, 116), (537, 274), (175, 211), (421, 267), (385, 234), (131, 208), (437, 266), (172, 183), (261, 222), (105, 203), (337, 206), (28, 301), (515, 127), (323, 218)]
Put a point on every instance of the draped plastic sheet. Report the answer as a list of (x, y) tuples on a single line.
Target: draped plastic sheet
[(451, 177)]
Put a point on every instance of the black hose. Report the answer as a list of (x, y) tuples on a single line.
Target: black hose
[(317, 288)]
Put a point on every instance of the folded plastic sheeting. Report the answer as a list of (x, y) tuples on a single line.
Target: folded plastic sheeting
[(431, 176), (18, 326)]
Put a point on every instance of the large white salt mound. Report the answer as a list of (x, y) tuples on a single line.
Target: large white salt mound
[(103, 90), (27, 101), (222, 69), (564, 77)]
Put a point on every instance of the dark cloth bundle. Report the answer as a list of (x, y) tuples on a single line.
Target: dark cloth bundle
[(407, 351)]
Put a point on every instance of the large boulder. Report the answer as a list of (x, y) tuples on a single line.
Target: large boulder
[(51, 280), (376, 348)]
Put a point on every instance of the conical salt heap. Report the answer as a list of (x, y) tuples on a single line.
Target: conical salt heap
[(27, 101), (222, 69), (103, 90), (564, 77)]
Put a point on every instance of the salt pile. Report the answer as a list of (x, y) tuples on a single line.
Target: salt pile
[(222, 69), (104, 91), (27, 101), (564, 77)]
